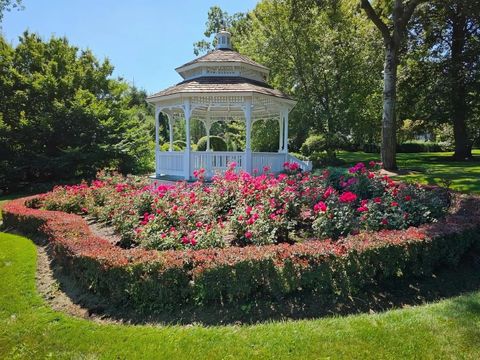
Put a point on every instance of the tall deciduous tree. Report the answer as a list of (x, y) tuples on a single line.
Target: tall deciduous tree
[(7, 5), (393, 28), (317, 53), (446, 52)]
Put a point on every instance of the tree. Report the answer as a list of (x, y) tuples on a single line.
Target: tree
[(7, 5), (317, 53), (63, 116), (393, 32), (217, 20), (446, 68)]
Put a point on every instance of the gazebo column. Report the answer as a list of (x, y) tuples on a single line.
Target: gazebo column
[(280, 136), (157, 139), (208, 126), (171, 123), (188, 112), (285, 131), (248, 143)]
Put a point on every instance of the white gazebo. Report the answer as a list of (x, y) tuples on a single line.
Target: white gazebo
[(222, 85)]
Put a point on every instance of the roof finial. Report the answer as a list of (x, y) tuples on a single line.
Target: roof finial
[(224, 40)]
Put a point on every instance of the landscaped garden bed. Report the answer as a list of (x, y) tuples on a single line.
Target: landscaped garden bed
[(241, 237)]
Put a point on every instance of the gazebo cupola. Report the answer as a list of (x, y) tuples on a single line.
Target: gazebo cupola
[(221, 85), (224, 40)]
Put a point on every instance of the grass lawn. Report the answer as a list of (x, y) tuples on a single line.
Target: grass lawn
[(448, 329), (430, 168), (30, 329)]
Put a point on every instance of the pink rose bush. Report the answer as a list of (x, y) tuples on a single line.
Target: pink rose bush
[(238, 209)]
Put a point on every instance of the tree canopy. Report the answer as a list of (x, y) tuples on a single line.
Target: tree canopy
[(332, 57), (62, 115)]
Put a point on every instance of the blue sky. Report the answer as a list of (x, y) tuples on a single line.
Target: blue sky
[(144, 39)]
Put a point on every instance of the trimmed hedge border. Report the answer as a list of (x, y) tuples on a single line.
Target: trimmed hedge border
[(149, 280)]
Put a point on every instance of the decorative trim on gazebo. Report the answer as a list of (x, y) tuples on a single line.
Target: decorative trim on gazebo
[(221, 86)]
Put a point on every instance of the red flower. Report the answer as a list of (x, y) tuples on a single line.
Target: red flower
[(320, 206), (248, 235), (408, 198), (377, 200), (347, 197), (384, 222), (362, 209), (328, 192), (394, 204)]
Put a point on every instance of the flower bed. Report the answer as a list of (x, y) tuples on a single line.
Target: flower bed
[(239, 209), (152, 280)]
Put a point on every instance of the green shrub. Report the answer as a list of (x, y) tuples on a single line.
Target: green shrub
[(320, 160), (151, 280), (314, 144), (420, 146), (216, 144), (180, 144), (166, 147)]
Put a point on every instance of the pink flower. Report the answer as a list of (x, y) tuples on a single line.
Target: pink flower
[(362, 209), (384, 222), (328, 192), (347, 197), (248, 235), (408, 198), (320, 206), (266, 168), (372, 164), (377, 200), (394, 204)]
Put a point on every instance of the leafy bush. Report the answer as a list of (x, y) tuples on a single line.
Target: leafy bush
[(259, 210), (320, 160), (152, 280), (166, 147), (313, 144), (180, 144), (216, 144), (420, 146)]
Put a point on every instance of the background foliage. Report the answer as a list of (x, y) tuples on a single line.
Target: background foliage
[(63, 116)]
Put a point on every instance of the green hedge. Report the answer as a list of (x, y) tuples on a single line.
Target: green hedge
[(216, 144), (151, 280)]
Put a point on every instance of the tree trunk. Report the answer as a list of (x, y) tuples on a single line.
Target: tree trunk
[(458, 92), (389, 140)]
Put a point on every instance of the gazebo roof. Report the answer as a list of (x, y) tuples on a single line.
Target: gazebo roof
[(224, 72), (223, 56), (217, 84)]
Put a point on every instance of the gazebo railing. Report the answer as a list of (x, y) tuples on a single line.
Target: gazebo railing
[(173, 163), (215, 161), (273, 161), (170, 163), (304, 165)]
